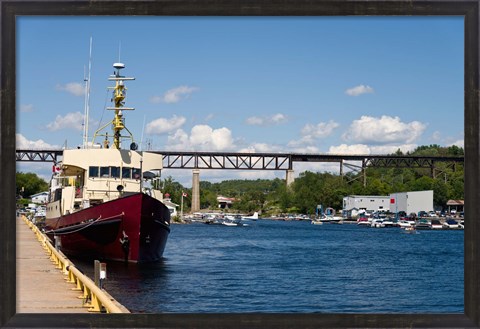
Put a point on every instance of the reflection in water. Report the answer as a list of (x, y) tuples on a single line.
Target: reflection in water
[(131, 284)]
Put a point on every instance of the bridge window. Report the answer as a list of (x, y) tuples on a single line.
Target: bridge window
[(93, 172), (115, 172), (136, 173), (127, 172), (104, 171)]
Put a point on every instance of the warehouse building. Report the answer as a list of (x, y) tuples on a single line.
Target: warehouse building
[(409, 202)]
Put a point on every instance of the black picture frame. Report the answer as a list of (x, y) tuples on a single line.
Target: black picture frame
[(468, 9)]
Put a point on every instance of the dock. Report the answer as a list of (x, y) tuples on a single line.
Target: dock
[(43, 287)]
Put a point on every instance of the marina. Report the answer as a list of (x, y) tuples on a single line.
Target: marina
[(276, 266)]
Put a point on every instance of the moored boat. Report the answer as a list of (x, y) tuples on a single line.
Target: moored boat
[(423, 224), (450, 224), (436, 224), (363, 221), (101, 203)]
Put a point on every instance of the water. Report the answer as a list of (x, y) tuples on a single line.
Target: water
[(289, 267)]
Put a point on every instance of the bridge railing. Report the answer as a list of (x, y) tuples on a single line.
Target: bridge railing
[(94, 298)]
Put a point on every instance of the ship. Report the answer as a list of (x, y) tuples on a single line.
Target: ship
[(104, 200)]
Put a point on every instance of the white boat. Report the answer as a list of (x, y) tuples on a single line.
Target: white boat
[(363, 221), (423, 224), (410, 230), (450, 224), (377, 223), (330, 219), (388, 222), (229, 223), (316, 222), (436, 224), (404, 224)]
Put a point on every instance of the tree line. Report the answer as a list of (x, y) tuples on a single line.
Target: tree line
[(272, 196), (328, 189)]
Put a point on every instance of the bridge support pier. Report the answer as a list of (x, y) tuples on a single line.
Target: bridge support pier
[(290, 178), (196, 190)]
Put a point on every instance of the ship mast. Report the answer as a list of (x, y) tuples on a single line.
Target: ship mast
[(118, 99), (87, 98)]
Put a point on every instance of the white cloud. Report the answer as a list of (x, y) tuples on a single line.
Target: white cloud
[(72, 120), (459, 143), (266, 120), (204, 137), (174, 95), (256, 174), (163, 125), (209, 117), (26, 108), (320, 130), (369, 149), (298, 143), (310, 135), (21, 142), (389, 149), (304, 149), (331, 167), (201, 138), (436, 136), (262, 148), (255, 121), (359, 90), (178, 141), (349, 149), (73, 88), (222, 138), (370, 130)]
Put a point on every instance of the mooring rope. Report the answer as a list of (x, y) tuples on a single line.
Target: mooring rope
[(88, 225)]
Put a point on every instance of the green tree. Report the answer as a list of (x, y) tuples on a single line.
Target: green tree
[(421, 184), (28, 184), (440, 193)]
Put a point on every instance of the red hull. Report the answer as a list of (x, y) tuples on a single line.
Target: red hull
[(134, 228)]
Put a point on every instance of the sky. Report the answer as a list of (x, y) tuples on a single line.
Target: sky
[(339, 85)]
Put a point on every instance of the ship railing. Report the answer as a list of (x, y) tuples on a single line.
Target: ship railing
[(94, 298)]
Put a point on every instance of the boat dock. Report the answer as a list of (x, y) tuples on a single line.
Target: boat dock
[(45, 285)]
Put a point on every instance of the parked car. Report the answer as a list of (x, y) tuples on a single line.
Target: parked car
[(422, 214)]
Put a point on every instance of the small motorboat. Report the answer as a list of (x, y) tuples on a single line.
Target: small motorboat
[(410, 230)]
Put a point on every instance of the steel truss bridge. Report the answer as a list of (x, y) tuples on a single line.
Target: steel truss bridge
[(269, 161)]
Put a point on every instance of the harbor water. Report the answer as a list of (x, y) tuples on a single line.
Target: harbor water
[(293, 266)]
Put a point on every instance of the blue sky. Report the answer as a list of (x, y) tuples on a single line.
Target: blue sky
[(353, 85)]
